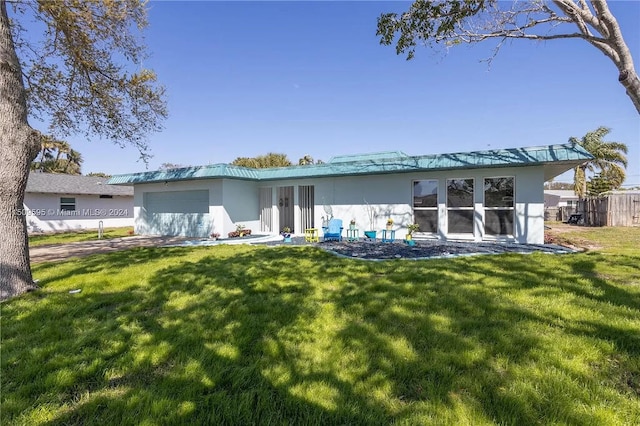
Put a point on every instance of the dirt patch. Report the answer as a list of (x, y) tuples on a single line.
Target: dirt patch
[(554, 234)]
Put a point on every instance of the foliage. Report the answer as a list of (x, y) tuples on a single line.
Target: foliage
[(76, 236), (609, 160), (240, 231), (98, 174), (294, 335), (599, 184), (171, 166), (558, 185), (263, 161), (57, 157), (412, 227), (83, 73), (447, 23), (308, 160)]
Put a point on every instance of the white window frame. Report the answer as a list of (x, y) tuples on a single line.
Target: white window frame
[(414, 208), (512, 208), (467, 208)]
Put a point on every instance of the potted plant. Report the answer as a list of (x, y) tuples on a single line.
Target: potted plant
[(411, 228), (371, 214), (215, 236), (240, 231), (389, 224), (352, 224), (286, 234)]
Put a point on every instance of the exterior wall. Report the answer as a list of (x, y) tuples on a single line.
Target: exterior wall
[(43, 213), (241, 205), (390, 196), (197, 225), (236, 202)]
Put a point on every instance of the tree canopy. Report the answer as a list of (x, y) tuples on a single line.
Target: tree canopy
[(263, 161), (607, 167), (452, 22), (74, 65), (57, 157)]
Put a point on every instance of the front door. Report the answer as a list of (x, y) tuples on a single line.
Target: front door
[(285, 207)]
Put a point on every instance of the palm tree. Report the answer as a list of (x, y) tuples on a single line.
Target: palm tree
[(609, 160), (73, 163)]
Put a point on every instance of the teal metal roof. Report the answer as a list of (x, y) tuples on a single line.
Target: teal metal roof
[(376, 163), (387, 155)]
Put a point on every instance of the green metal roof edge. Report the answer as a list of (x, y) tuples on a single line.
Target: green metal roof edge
[(187, 173), (395, 164)]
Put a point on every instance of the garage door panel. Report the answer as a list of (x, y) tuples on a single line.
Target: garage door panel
[(184, 213), (177, 202)]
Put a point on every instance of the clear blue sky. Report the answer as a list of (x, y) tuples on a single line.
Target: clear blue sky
[(247, 78)]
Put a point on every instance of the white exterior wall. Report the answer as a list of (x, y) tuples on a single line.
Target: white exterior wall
[(241, 204), (390, 196), (43, 213), (208, 223), (236, 202)]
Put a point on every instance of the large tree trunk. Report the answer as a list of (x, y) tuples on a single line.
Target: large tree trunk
[(18, 147)]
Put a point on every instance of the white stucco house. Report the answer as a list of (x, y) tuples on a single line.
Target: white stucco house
[(58, 202), (554, 198), (476, 196)]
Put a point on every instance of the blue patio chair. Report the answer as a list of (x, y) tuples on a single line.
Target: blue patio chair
[(333, 232)]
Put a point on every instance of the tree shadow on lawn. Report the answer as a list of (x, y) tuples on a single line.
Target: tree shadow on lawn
[(275, 335)]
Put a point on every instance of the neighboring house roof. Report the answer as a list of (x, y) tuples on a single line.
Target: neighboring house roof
[(52, 183), (556, 159), (562, 193)]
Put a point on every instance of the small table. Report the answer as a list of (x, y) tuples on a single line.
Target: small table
[(311, 235), (353, 235), (388, 235)]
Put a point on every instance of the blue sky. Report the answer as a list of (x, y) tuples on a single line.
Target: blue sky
[(247, 78)]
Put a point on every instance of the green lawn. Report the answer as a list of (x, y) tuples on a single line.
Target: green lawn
[(76, 236), (292, 335)]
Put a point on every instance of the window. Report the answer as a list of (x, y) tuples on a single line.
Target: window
[(425, 205), (460, 206), (67, 203), (498, 206)]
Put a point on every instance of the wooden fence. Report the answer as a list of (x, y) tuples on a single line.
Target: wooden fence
[(559, 214), (611, 210)]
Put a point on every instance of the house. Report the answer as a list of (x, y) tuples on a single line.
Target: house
[(476, 196), (554, 198), (58, 202)]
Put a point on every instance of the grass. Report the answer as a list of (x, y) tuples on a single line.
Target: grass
[(292, 335), (77, 236)]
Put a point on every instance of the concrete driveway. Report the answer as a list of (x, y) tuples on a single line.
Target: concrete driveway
[(58, 252)]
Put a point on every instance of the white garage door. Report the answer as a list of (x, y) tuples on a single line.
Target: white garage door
[(184, 213)]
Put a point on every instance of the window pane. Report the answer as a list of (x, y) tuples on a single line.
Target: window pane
[(425, 193), (460, 221), (427, 219), (498, 222), (460, 193), (67, 203), (498, 192)]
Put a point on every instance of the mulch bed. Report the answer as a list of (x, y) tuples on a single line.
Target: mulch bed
[(376, 250)]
